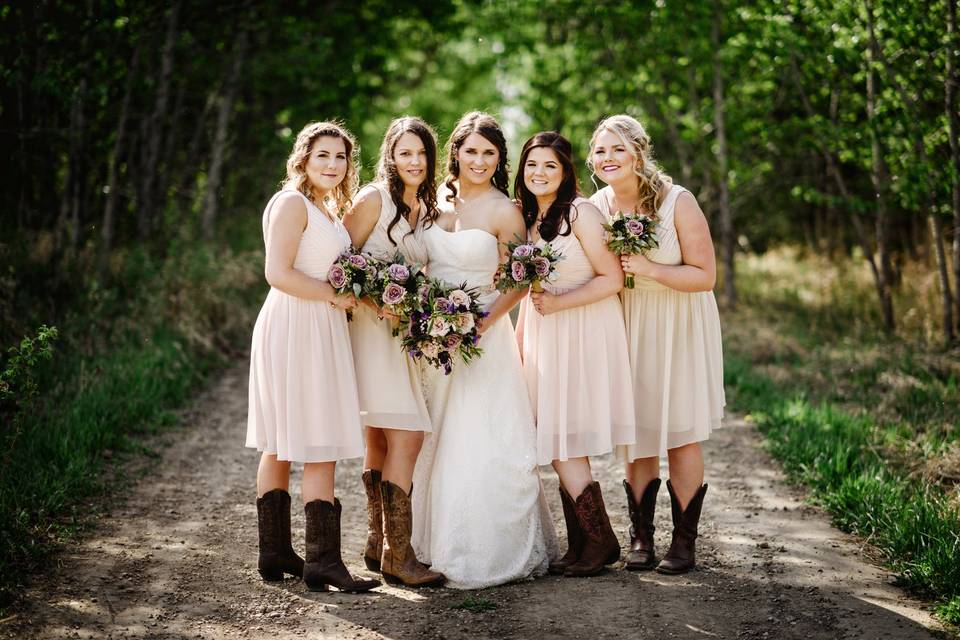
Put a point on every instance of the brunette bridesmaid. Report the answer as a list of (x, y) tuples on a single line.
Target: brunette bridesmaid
[(574, 348), (386, 221), (303, 395), (673, 329)]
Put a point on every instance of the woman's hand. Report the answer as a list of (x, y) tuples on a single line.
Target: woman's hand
[(637, 264), (546, 303), (346, 302)]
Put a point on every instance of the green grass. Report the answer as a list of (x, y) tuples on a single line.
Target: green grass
[(474, 604), (868, 422)]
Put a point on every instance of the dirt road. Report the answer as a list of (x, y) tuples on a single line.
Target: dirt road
[(177, 559)]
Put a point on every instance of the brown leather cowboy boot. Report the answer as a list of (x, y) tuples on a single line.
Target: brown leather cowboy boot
[(324, 565), (682, 554), (574, 536), (371, 555), (641, 556), (600, 546), (277, 556), (399, 564)]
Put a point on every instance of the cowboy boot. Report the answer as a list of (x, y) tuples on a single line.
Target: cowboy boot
[(399, 564), (641, 556), (277, 556), (374, 549), (574, 536), (600, 545), (682, 554), (324, 564)]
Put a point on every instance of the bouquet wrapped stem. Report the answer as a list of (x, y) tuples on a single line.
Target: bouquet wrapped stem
[(536, 286), (628, 281)]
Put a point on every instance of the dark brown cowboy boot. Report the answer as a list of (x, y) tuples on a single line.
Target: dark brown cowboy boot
[(682, 554), (371, 555), (600, 545), (324, 565), (641, 556), (277, 556), (399, 564), (574, 536)]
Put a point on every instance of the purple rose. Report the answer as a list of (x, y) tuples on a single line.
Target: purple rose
[(635, 227), (337, 276), (398, 272), (393, 294), (542, 266), (523, 251), (452, 341), (358, 260), (442, 305), (518, 271)]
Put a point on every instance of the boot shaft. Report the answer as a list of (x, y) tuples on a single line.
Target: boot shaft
[(323, 528)]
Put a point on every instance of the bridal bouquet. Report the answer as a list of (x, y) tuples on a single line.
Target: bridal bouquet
[(442, 324), (352, 273), (394, 287), (528, 265), (631, 233)]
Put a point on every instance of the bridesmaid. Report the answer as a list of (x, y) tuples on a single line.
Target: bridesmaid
[(673, 328), (386, 220), (574, 348), (303, 395)]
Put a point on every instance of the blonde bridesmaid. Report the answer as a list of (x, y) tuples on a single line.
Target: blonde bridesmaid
[(386, 221), (673, 328), (303, 396), (574, 348)]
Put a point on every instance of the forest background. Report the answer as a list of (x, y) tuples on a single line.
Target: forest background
[(141, 140)]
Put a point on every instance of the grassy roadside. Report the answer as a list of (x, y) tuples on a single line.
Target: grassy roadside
[(126, 357), (871, 424)]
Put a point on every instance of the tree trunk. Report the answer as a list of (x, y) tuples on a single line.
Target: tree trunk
[(952, 83), (109, 209), (147, 205), (218, 153), (936, 238), (880, 179), (727, 238)]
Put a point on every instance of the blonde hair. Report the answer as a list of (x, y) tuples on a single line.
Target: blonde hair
[(297, 162), (651, 180)]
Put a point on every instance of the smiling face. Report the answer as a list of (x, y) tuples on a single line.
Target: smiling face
[(542, 172), (326, 165), (612, 161), (478, 159), (411, 159)]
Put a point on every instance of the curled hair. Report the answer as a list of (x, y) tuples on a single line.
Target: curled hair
[(558, 214), (487, 126), (387, 169), (297, 163), (651, 179)]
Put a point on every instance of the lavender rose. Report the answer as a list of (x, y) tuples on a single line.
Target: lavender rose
[(337, 276), (452, 341), (518, 271), (460, 298), (439, 327), (442, 305), (393, 293), (523, 251), (465, 322), (430, 349), (398, 272), (542, 266), (358, 260), (635, 227)]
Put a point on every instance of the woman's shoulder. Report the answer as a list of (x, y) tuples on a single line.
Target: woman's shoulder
[(599, 198)]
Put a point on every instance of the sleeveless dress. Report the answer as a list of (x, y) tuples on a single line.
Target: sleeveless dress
[(577, 365), (676, 354), (479, 515), (303, 394), (388, 381)]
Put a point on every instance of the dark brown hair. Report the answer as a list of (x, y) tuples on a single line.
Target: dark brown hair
[(387, 169), (559, 212), (487, 126)]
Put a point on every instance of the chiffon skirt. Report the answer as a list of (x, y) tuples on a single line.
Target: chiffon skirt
[(577, 368), (303, 403), (388, 380), (676, 356)]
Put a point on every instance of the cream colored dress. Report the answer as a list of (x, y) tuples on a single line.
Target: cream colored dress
[(577, 366), (676, 354), (303, 393), (388, 380)]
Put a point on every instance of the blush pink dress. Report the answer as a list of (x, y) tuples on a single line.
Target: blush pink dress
[(577, 366), (676, 354), (303, 392)]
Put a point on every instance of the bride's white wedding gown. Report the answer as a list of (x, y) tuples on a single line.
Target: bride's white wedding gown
[(479, 515)]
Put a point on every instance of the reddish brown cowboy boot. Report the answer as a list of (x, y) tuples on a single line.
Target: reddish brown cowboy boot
[(399, 564), (600, 546), (574, 536), (324, 564), (374, 549), (277, 556), (641, 556), (682, 554)]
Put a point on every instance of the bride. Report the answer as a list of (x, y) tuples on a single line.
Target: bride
[(479, 513)]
